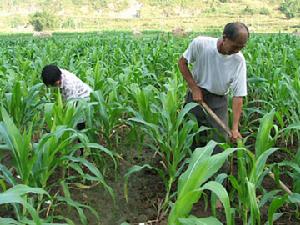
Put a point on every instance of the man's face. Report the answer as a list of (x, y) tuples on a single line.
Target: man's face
[(55, 85), (230, 47)]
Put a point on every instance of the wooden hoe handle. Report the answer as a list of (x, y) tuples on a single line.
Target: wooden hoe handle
[(216, 118)]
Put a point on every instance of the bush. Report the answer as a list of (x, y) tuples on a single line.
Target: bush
[(37, 25), (291, 8), (264, 11), (248, 10), (42, 20)]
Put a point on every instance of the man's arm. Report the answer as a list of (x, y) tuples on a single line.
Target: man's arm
[(187, 75), (237, 106)]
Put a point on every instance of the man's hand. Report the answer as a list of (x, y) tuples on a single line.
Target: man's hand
[(237, 106), (235, 135), (197, 94)]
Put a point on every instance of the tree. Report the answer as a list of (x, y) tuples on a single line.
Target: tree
[(41, 20)]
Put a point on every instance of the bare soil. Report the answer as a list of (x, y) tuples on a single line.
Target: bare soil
[(146, 192)]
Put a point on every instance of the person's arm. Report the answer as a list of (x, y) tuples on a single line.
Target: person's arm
[(237, 107), (239, 87), (187, 75)]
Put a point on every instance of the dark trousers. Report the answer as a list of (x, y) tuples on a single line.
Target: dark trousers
[(219, 104), (80, 126)]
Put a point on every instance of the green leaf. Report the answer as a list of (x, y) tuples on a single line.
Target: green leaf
[(97, 146), (9, 221), (202, 166), (95, 171), (294, 198), (17, 191), (222, 194), (7, 175), (15, 195), (292, 126), (79, 207), (199, 221), (267, 196), (264, 140), (260, 165), (199, 155), (253, 202), (184, 111), (275, 204)]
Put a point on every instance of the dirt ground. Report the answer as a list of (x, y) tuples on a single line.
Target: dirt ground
[(146, 192)]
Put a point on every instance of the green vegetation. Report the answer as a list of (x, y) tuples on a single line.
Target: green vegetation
[(42, 20), (291, 8), (137, 105), (264, 11), (193, 15), (248, 10)]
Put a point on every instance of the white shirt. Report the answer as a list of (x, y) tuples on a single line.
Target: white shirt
[(72, 87), (214, 71)]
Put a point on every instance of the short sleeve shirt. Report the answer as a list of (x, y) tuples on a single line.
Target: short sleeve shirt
[(72, 87), (214, 71)]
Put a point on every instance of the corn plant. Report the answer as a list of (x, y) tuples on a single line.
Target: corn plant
[(23, 103), (107, 116), (251, 171), (172, 132), (192, 183), (35, 163), (71, 113), (60, 114), (293, 164), (19, 145), (17, 195), (273, 79)]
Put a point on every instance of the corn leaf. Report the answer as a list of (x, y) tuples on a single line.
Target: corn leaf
[(200, 221)]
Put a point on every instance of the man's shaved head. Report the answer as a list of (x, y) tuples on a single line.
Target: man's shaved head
[(232, 31)]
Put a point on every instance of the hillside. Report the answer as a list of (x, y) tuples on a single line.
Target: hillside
[(191, 15)]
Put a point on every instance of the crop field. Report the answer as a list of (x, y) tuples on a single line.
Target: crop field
[(138, 165)]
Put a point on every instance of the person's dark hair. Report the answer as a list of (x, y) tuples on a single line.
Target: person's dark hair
[(232, 30), (51, 74)]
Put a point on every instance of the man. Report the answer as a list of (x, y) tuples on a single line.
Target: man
[(70, 85), (218, 65)]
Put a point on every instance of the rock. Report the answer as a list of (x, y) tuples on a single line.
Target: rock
[(179, 32), (42, 34), (296, 33), (136, 33)]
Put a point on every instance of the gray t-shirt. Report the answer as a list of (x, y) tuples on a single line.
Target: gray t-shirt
[(214, 71)]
